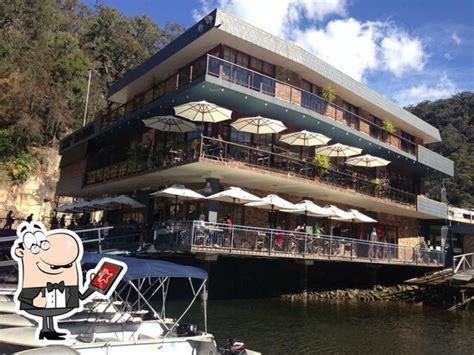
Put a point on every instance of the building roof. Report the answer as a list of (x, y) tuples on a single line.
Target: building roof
[(220, 27)]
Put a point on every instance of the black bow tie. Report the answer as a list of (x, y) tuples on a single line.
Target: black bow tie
[(55, 286)]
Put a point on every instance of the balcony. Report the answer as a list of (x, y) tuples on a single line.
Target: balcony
[(222, 69), (217, 238), (244, 156), (269, 86)]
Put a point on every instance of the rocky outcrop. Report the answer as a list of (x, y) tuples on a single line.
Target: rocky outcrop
[(377, 293), (36, 195)]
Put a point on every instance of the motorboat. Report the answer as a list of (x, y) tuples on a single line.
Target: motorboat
[(155, 333)]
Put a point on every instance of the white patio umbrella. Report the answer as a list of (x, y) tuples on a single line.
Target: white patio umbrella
[(202, 111), (234, 195), (179, 192), (359, 217), (65, 208), (258, 125), (338, 150), (338, 214), (272, 202), (309, 208), (367, 161), (81, 206), (169, 124), (122, 201), (101, 203), (304, 139)]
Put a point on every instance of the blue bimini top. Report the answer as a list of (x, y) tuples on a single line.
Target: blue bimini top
[(141, 268)]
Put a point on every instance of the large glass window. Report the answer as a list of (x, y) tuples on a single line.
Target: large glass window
[(375, 127)]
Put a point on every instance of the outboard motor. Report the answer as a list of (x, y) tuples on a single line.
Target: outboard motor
[(233, 347), (186, 330)]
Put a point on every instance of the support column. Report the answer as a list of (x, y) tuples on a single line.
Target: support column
[(304, 277), (211, 207)]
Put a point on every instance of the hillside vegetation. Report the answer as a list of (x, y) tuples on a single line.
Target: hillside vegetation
[(47, 48), (454, 117)]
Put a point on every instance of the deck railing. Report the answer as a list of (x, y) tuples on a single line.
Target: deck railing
[(244, 155), (463, 262), (94, 239), (280, 163), (199, 236)]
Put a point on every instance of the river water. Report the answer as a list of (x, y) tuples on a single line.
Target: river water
[(280, 327)]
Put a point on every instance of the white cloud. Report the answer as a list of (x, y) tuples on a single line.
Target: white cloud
[(401, 53), (443, 89), (274, 16), (456, 38), (349, 45), (352, 46)]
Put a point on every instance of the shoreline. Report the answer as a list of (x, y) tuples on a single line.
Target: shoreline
[(440, 298)]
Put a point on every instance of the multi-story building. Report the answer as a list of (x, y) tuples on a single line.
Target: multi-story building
[(226, 61)]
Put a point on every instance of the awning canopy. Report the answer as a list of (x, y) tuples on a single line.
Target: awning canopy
[(142, 268)]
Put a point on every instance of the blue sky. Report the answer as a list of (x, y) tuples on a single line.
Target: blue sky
[(409, 50)]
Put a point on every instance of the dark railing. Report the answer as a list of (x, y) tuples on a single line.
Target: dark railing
[(292, 166), (267, 85), (200, 236), (220, 150)]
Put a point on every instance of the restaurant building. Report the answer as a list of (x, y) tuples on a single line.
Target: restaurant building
[(223, 60)]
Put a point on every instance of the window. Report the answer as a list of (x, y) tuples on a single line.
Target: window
[(408, 142), (350, 115), (230, 54), (268, 69), (375, 127), (306, 85), (256, 64), (242, 59)]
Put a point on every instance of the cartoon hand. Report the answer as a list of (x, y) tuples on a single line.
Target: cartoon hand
[(39, 301)]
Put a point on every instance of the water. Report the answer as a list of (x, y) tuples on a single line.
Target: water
[(278, 327)]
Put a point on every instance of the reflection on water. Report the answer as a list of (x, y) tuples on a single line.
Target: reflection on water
[(277, 327)]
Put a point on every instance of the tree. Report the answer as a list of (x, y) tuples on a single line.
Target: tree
[(46, 50), (454, 117)]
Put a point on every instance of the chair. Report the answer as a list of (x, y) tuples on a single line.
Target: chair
[(260, 241)]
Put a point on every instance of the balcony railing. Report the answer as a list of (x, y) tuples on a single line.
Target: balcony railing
[(234, 73), (243, 155), (269, 86), (291, 166), (199, 236)]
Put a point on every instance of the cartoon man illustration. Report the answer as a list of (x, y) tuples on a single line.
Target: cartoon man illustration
[(50, 277)]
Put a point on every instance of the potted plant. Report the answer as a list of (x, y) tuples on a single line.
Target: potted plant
[(329, 95), (389, 137), (378, 185), (318, 229), (388, 126), (323, 163)]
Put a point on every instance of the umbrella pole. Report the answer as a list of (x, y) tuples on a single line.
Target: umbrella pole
[(175, 206), (233, 209)]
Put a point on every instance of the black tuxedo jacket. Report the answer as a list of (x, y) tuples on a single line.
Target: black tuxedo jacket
[(73, 295)]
